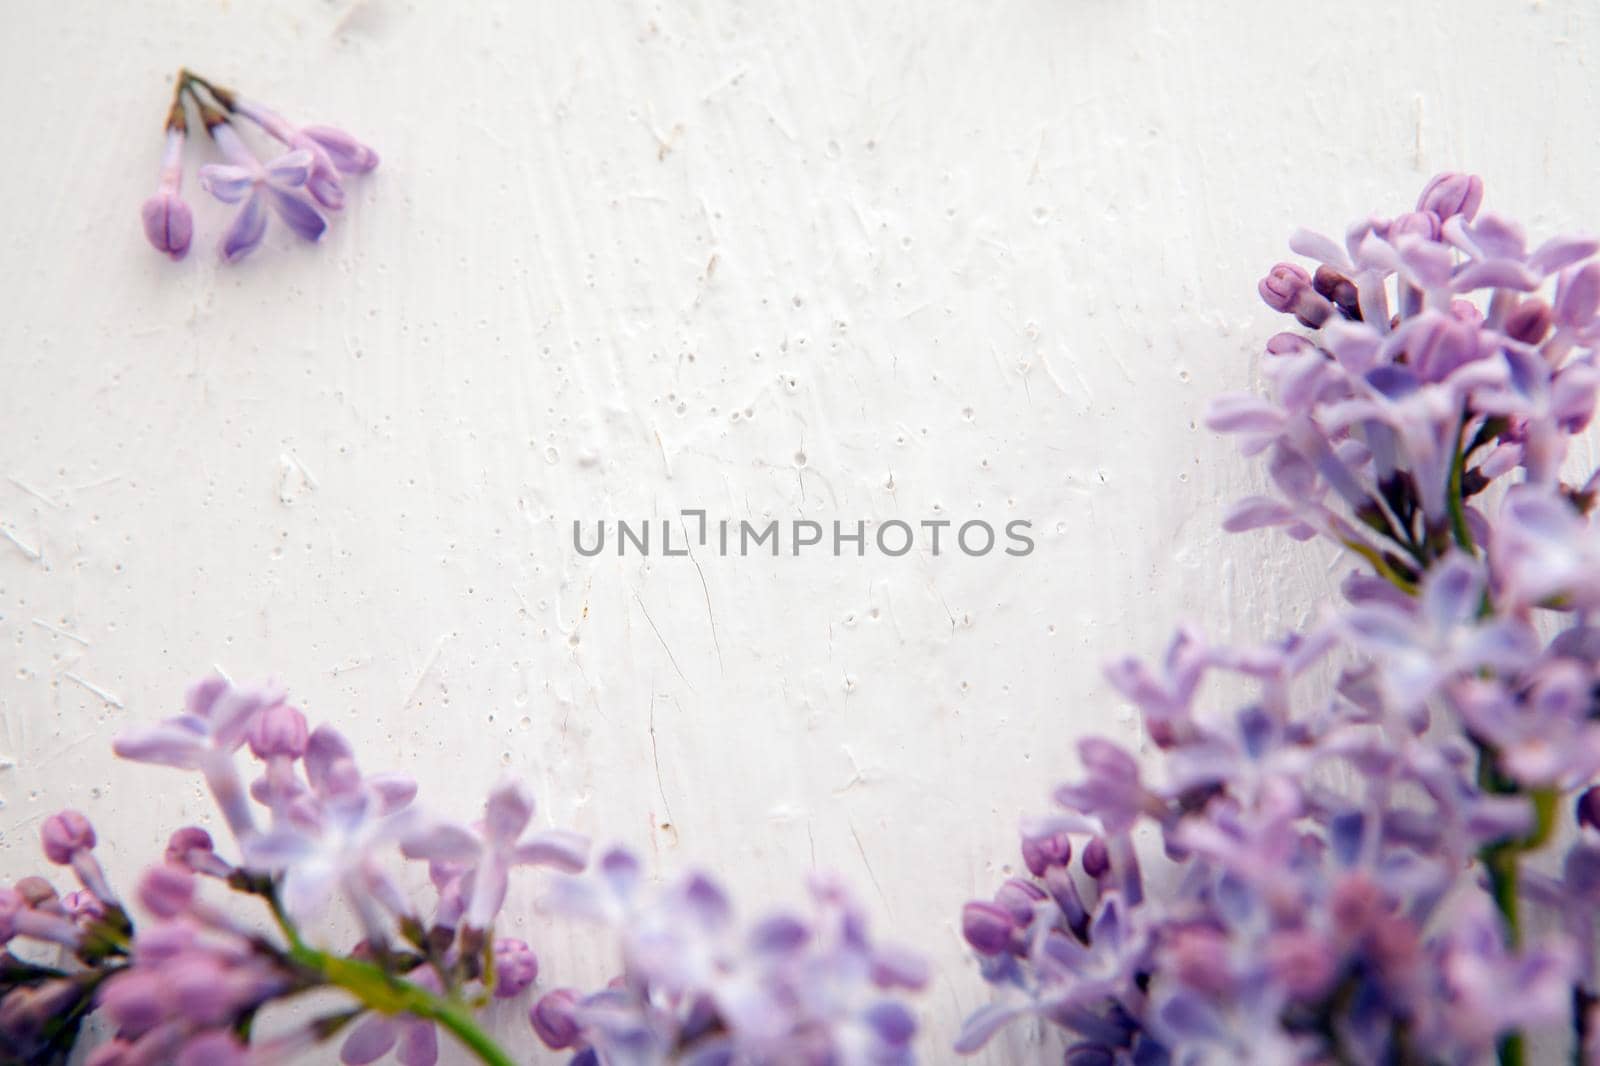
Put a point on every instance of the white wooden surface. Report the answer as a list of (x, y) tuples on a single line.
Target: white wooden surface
[(968, 260)]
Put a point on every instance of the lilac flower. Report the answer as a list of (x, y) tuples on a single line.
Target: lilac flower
[(168, 222), (697, 989), (332, 150), (1343, 875), (245, 178), (498, 847)]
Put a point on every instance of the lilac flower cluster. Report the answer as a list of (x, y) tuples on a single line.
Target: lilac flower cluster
[(1343, 875), (310, 830), (698, 989), (299, 185)]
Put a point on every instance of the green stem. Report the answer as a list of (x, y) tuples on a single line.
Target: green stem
[(385, 993)]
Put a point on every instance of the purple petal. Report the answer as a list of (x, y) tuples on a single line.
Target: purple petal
[(371, 1039), (443, 842), (300, 214), (291, 170), (507, 811), (227, 182), (1256, 512), (559, 848), (177, 742), (347, 153), (983, 1024), (1560, 252), (419, 1046), (246, 231), (1453, 593)]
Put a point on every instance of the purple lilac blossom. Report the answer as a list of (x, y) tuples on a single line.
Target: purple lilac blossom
[(697, 987), (1341, 867)]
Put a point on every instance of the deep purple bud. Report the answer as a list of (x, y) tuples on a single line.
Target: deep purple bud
[(1578, 295), (278, 730), (1039, 852), (1019, 898), (64, 835), (987, 927), (166, 890), (1529, 321), (1334, 286), (1448, 195), (1096, 858), (554, 1018), (515, 967), (1588, 808)]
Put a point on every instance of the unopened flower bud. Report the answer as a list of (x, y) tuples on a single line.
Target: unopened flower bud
[(1529, 321), (1448, 195), (64, 835), (987, 927), (554, 1018), (1051, 849), (166, 890), (279, 730), (1096, 859), (515, 967)]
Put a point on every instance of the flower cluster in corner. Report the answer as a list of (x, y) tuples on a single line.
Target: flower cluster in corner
[(301, 185), (309, 834), (1344, 871)]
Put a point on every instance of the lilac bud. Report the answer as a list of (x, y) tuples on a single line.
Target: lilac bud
[(1288, 344), (347, 153), (515, 967), (1051, 849), (1340, 290), (1578, 295), (1288, 289), (1424, 224), (168, 224), (554, 1018), (203, 991), (166, 891), (1019, 898), (191, 848), (987, 927), (84, 907), (1529, 321), (1096, 859), (1448, 195), (39, 893), (64, 835), (1588, 808), (278, 730), (133, 1001)]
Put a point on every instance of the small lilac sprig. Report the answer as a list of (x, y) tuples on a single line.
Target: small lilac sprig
[(697, 988), (298, 186)]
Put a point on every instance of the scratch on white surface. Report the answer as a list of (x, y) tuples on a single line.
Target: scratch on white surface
[(868, 864), (58, 631), (427, 668), (103, 694), (347, 666), (31, 552), (705, 590), (31, 491), (664, 646)]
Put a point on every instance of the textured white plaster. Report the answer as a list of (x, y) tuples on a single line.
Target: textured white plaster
[(969, 260)]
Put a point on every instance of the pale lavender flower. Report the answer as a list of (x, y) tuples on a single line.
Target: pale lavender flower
[(495, 848), (245, 178)]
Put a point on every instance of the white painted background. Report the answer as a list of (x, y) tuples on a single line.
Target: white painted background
[(970, 260)]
